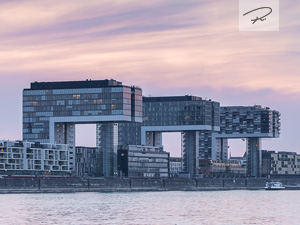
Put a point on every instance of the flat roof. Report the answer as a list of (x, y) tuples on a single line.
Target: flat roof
[(172, 98), (254, 107), (74, 84)]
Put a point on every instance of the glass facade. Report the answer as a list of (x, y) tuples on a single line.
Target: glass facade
[(142, 162), (89, 162), (181, 110), (107, 142), (249, 120), (60, 99), (129, 133), (252, 123), (52, 109)]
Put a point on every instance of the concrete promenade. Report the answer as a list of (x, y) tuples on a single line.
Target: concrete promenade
[(60, 185)]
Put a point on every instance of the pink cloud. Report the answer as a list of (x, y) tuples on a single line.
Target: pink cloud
[(164, 46)]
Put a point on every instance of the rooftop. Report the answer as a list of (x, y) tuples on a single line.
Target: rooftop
[(74, 84), (172, 98), (235, 108)]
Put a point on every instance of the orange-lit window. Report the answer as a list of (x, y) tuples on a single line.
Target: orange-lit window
[(98, 101), (113, 106), (33, 103), (76, 96)]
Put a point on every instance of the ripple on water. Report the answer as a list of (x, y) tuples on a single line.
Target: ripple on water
[(209, 207)]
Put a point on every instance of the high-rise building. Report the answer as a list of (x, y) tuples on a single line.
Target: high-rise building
[(123, 117), (193, 116), (247, 122), (52, 109)]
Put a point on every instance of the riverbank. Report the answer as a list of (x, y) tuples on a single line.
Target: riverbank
[(65, 185)]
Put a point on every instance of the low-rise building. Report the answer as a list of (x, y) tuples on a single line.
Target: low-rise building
[(88, 162), (142, 161), (175, 166), (222, 168), (242, 159), (281, 163), (33, 158)]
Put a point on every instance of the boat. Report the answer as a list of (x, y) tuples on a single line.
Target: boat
[(274, 185)]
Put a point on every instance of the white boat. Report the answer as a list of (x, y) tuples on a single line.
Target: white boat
[(274, 186)]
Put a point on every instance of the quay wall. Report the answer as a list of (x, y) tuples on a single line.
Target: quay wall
[(36, 185)]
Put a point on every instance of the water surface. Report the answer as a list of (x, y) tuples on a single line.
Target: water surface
[(206, 207)]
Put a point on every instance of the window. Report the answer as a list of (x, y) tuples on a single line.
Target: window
[(60, 102), (76, 96)]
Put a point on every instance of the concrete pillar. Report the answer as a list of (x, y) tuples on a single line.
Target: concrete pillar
[(254, 160), (70, 140), (190, 152), (59, 133), (221, 148)]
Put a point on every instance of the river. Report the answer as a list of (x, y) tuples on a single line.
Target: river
[(178, 207)]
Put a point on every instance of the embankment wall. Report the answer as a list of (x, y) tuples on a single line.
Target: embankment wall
[(32, 185)]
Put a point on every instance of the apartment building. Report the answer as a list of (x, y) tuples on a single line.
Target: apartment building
[(281, 163), (33, 158), (142, 161)]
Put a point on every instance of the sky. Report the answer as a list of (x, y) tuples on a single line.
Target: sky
[(168, 47)]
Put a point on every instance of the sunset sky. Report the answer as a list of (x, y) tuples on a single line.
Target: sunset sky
[(168, 47)]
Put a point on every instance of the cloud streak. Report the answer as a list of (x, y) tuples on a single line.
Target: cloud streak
[(164, 46)]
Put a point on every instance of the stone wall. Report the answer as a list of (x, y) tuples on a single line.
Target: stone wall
[(27, 185), (19, 183)]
